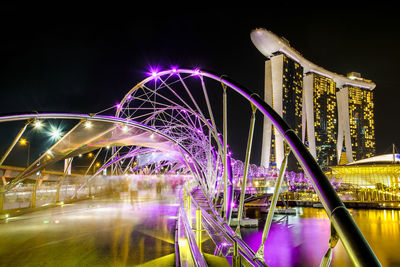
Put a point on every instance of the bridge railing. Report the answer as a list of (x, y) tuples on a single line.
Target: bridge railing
[(188, 249), (197, 221), (35, 194)]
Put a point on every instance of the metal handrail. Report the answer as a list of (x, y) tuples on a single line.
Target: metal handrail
[(177, 251), (197, 256), (244, 250)]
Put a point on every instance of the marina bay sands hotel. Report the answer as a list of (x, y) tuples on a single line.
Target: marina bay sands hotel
[(332, 114)]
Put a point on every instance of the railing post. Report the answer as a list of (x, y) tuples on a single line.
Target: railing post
[(58, 193), (236, 257), (33, 201), (198, 227), (188, 211), (89, 189), (2, 193)]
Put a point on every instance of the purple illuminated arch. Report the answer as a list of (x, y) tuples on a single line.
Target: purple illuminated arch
[(351, 237)]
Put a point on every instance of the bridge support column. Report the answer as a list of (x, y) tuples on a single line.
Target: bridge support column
[(246, 169), (260, 252), (228, 188), (326, 260)]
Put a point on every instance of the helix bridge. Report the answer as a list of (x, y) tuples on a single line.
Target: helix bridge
[(175, 123)]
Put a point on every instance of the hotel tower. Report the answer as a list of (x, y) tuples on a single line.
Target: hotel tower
[(331, 113)]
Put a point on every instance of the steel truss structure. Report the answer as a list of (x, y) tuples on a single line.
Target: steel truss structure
[(170, 118)]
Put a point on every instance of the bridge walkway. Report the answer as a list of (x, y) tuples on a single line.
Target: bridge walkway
[(213, 237), (99, 232)]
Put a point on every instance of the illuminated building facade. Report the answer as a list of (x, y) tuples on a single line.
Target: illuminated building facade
[(337, 118), (361, 114), (283, 91), (320, 117)]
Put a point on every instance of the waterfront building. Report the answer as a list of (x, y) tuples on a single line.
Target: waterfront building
[(336, 111), (376, 172), (283, 91), (320, 117)]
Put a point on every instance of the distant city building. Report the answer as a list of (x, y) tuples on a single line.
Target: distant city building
[(283, 91), (320, 117), (331, 113)]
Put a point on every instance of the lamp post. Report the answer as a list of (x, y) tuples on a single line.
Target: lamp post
[(24, 142)]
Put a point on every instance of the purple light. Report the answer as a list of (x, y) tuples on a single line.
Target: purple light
[(118, 105), (130, 97), (174, 70), (154, 74), (196, 72)]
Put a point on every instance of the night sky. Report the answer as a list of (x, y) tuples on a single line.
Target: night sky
[(85, 58)]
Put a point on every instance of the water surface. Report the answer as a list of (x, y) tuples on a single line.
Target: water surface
[(302, 239)]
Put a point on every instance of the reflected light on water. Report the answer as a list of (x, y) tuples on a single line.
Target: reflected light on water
[(302, 239)]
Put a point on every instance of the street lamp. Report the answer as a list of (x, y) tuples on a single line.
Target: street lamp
[(24, 142)]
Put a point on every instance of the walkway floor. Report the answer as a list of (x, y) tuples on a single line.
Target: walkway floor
[(104, 232)]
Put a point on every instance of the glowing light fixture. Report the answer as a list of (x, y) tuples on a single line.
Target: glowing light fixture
[(55, 133), (37, 124), (88, 124), (23, 142)]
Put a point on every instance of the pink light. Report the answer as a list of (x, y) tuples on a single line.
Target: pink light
[(118, 105), (130, 97), (174, 70), (154, 74), (196, 72)]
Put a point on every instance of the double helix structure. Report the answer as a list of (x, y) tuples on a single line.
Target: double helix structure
[(177, 122)]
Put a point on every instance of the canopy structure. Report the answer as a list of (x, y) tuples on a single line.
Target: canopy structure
[(104, 131)]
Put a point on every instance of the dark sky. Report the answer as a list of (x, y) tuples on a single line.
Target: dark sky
[(85, 58)]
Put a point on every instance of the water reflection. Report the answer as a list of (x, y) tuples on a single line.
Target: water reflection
[(302, 239)]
